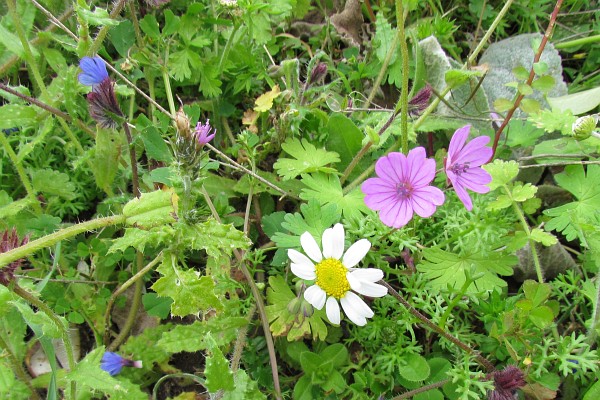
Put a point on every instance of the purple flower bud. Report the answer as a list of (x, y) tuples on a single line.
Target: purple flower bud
[(203, 133), (114, 363), (103, 105), (94, 71), (506, 383), (9, 241), (419, 102), (318, 73)]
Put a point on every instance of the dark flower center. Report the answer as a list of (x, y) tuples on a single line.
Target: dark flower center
[(404, 189), (459, 168)]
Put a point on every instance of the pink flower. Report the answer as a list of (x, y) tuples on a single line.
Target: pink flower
[(402, 188), (203, 133), (463, 165)]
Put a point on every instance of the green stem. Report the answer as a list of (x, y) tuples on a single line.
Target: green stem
[(53, 238), (472, 58), (225, 52), (135, 181), (454, 302), (577, 42), (169, 91), (104, 30), (422, 389), (592, 334), (260, 304), (403, 103), (525, 225), (40, 305), (22, 175), (427, 322), (18, 368), (131, 318)]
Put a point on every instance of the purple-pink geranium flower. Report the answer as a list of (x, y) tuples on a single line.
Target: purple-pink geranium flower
[(463, 165), (402, 188)]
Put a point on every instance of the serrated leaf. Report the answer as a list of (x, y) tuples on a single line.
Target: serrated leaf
[(191, 338), (282, 322), (585, 186), (139, 239), (54, 183), (16, 115), (384, 37), (217, 372), (264, 102), (245, 388), (554, 120), (503, 201), (414, 368), (98, 17), (88, 374), (443, 268), (157, 306), (502, 172), (151, 209), (326, 189), (307, 159), (312, 218), (522, 192), (49, 327), (149, 26), (213, 237), (181, 64), (191, 293), (545, 238), (106, 157)]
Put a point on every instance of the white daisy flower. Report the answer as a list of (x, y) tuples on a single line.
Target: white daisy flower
[(335, 276)]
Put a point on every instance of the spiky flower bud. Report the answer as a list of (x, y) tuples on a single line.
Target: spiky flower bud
[(584, 126), (506, 383), (9, 241), (419, 102), (318, 73), (103, 105)]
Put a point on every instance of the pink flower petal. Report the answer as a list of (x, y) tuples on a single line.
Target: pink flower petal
[(457, 142)]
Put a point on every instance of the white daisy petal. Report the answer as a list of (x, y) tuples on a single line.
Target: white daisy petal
[(333, 242), (356, 253), (358, 305), (299, 258), (305, 272), (368, 274), (332, 308), (310, 246), (354, 283), (352, 314), (315, 296), (371, 289)]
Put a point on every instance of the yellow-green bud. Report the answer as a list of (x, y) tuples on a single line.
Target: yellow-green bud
[(584, 126), (294, 305)]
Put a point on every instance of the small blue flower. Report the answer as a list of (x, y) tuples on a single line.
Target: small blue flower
[(94, 71), (202, 133), (113, 363)]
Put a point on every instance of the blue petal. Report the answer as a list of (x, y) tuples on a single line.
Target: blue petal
[(112, 363), (94, 71)]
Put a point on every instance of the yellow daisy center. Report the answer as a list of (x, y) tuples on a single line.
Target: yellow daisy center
[(331, 277)]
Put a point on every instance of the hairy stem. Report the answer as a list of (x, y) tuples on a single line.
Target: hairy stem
[(403, 102), (18, 368)]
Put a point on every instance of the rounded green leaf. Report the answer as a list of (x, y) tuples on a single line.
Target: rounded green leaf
[(416, 368)]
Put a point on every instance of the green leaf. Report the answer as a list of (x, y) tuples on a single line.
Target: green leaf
[(541, 317), (415, 368), (10, 387), (149, 26), (52, 182), (336, 353), (156, 306), (383, 40), (210, 82), (282, 322), (312, 218), (540, 68), (98, 17), (530, 106), (326, 189), (16, 115), (245, 388), (139, 239), (307, 159), (156, 147), (503, 201), (502, 105), (49, 327), (577, 103), (444, 268), (213, 237), (217, 372), (303, 389), (271, 223), (122, 37), (335, 382), (191, 293), (545, 238), (457, 77), (151, 209), (313, 364), (537, 292), (524, 89), (106, 158), (181, 64), (172, 23), (544, 83), (522, 192), (554, 120), (593, 392), (521, 73), (345, 137), (585, 186), (502, 172), (90, 377), (191, 338)]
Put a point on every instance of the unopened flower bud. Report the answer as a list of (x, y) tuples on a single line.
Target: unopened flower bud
[(182, 122), (506, 382), (419, 102), (9, 241), (294, 305), (103, 105), (318, 73), (584, 126), (306, 308)]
